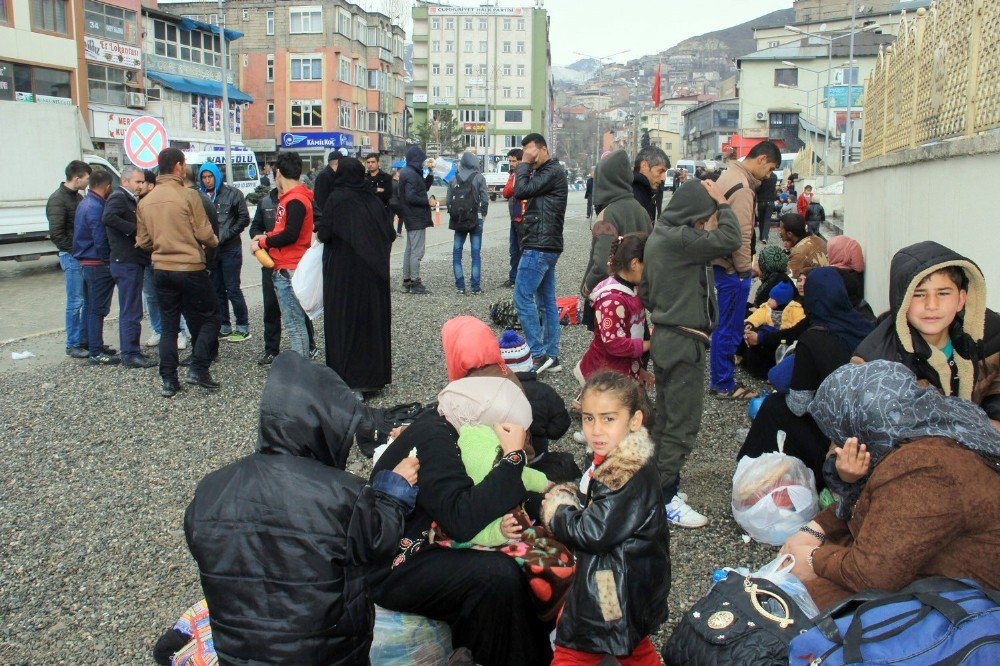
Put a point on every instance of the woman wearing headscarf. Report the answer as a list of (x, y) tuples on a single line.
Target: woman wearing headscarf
[(845, 254), (929, 504), (835, 329), (471, 350), (358, 236), (482, 594)]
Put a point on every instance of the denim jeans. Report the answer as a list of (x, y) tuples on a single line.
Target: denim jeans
[(534, 295), (153, 305), (99, 286), (476, 237), (76, 301), (414, 252), (192, 293), (128, 279), (226, 278), (293, 317), (272, 316), (514, 248), (733, 292)]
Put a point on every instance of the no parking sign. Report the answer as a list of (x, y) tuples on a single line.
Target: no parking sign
[(144, 139)]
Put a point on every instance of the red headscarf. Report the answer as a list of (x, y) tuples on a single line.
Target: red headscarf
[(845, 252), (469, 344)]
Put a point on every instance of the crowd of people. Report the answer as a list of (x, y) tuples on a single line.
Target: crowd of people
[(466, 510)]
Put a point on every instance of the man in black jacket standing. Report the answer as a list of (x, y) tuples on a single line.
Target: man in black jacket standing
[(378, 180), (542, 181), (415, 212), (128, 263), (650, 170), (61, 211)]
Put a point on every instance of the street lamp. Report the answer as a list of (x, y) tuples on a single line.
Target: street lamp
[(226, 140), (826, 122)]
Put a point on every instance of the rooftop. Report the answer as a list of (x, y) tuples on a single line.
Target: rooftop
[(865, 44)]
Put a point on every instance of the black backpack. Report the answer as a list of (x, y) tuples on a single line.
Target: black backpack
[(463, 208)]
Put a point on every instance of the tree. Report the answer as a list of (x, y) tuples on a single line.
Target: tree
[(644, 141), (442, 134)]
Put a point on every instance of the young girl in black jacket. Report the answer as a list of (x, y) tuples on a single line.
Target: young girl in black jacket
[(620, 537)]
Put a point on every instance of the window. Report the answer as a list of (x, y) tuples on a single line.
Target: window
[(482, 47), (449, 24), (372, 121), (468, 24), (520, 70), (360, 75), (305, 20), (307, 68), (520, 25), (270, 113), (468, 46), (436, 46), (786, 77), (360, 117), (468, 91), (506, 47), (507, 25), (361, 31), (246, 14), (482, 70), (4, 20), (344, 118), (506, 70), (468, 69), (847, 76), (435, 24), (520, 92), (269, 22), (506, 92), (520, 47), (25, 83), (307, 114), (513, 116), (773, 44), (435, 68), (449, 69), (49, 15), (165, 39), (482, 25), (109, 22), (270, 67), (436, 91), (449, 46), (344, 69), (106, 84), (344, 23)]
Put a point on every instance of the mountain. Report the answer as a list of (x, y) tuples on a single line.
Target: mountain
[(738, 39), (579, 72)]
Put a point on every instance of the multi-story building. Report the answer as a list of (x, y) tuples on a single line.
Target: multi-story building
[(709, 126), (325, 74), (489, 66)]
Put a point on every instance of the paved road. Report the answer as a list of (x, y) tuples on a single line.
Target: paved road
[(33, 293)]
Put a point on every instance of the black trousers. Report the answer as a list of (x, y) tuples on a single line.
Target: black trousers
[(804, 440), (192, 294), (482, 595), (272, 316)]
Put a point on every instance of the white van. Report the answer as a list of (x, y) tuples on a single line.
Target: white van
[(246, 178)]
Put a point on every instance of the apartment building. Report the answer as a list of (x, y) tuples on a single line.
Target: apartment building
[(324, 75), (490, 67)]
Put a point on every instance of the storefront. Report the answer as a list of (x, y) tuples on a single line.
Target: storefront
[(315, 146)]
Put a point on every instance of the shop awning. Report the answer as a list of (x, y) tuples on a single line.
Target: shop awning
[(199, 86), (195, 24)]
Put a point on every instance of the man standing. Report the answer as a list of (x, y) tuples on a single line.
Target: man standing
[(650, 170), (128, 264), (415, 213), (61, 211), (233, 219), (378, 180), (542, 181), (516, 212), (171, 222), (467, 202), (766, 194), (323, 184), (90, 248), (588, 194), (287, 242), (739, 185)]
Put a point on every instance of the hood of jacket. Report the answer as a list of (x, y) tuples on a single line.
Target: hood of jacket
[(307, 410), (914, 263), (473, 401), (611, 284), (415, 157), (690, 203), (468, 166), (613, 179), (631, 455), (214, 170)]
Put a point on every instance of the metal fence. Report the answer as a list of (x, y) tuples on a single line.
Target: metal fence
[(939, 80)]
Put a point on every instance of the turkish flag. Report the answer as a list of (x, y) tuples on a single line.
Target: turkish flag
[(656, 88)]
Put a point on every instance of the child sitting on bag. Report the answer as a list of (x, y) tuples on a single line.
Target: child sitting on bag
[(619, 535)]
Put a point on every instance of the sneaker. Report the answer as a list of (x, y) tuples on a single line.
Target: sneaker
[(238, 336), (104, 359), (556, 366), (509, 284), (77, 352), (542, 363), (682, 515), (153, 340), (460, 292), (314, 354), (267, 358), (578, 436), (407, 284), (476, 291), (140, 361), (183, 341), (225, 332)]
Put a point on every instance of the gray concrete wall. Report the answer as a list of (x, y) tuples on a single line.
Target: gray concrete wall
[(947, 192)]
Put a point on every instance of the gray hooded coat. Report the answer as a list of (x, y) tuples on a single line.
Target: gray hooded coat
[(468, 168)]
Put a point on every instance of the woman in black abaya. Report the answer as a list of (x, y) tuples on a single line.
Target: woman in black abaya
[(358, 235)]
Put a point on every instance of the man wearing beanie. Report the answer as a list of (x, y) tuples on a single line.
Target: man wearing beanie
[(678, 288)]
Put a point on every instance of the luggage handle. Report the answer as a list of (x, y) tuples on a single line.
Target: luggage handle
[(753, 590), (826, 622)]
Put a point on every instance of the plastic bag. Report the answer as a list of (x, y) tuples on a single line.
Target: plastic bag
[(307, 282), (779, 572), (403, 639), (773, 496)]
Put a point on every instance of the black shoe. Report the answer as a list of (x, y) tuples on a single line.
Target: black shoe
[(509, 284), (140, 361), (186, 361), (104, 359), (170, 387), (110, 351), (477, 292), (417, 287), (77, 352), (203, 380), (267, 358), (407, 285)]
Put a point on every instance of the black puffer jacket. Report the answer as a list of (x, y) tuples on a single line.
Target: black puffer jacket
[(60, 210), (230, 204), (265, 217), (119, 218), (546, 189), (413, 207), (643, 192), (280, 536), (622, 547), (549, 417)]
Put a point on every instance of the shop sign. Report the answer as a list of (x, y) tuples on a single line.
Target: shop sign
[(317, 140), (107, 52), (474, 127), (111, 125)]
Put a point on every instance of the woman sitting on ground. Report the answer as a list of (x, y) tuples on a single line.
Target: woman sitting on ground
[(920, 495), (845, 254), (834, 331)]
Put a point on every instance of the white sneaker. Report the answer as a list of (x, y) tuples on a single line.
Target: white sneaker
[(682, 515), (182, 341), (578, 436), (153, 340)]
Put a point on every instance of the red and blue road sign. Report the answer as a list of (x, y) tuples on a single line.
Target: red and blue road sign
[(144, 139)]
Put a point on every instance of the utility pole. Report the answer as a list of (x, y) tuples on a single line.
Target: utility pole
[(225, 95), (850, 86)]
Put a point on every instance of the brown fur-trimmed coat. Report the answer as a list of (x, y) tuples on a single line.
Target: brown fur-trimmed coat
[(621, 543)]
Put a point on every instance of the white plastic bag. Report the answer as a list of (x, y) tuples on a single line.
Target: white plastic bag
[(773, 496), (307, 282), (779, 572), (403, 639)]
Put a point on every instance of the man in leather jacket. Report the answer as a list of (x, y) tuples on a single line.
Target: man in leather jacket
[(540, 180), (233, 219)]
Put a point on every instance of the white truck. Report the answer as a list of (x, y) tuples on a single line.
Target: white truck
[(39, 141), (245, 175), (495, 180)]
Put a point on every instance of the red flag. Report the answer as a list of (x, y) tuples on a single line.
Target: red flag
[(656, 89)]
